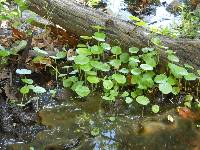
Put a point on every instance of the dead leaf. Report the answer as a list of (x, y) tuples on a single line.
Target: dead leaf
[(187, 113), (18, 35)]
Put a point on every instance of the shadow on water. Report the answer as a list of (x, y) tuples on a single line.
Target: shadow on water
[(87, 124)]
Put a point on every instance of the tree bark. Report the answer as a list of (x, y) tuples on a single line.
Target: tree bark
[(78, 19)]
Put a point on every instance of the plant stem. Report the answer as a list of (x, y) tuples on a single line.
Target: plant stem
[(198, 88)]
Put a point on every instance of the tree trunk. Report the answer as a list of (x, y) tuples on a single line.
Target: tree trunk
[(78, 19)]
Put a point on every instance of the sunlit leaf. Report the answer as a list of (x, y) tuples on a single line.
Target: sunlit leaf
[(134, 18), (124, 71), (133, 50), (99, 36), (106, 46), (4, 53), (23, 71), (190, 77), (86, 37), (125, 94), (96, 50), (108, 84), (83, 51), (27, 81), (82, 91), (175, 90), (146, 67), (116, 63), (24, 90), (93, 79), (173, 58), (124, 57), (155, 108), (116, 50), (39, 90), (39, 51), (143, 100), (81, 60), (121, 79), (136, 71), (165, 88), (128, 100), (162, 78)]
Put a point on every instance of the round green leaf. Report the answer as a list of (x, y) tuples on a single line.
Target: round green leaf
[(177, 71), (83, 51), (82, 91), (133, 50), (81, 60), (124, 57), (175, 90), (155, 108), (162, 78), (86, 67), (128, 100), (27, 81), (91, 73), (116, 63), (143, 100), (188, 98), (99, 36), (23, 71), (125, 94), (165, 88), (147, 49), (134, 59), (96, 50), (116, 50), (121, 79), (38, 90), (173, 58), (190, 77), (67, 83), (106, 46), (124, 71), (171, 80), (93, 79), (136, 93), (24, 90), (136, 71), (61, 54), (108, 84), (146, 67)]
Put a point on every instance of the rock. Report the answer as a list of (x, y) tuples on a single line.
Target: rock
[(173, 7)]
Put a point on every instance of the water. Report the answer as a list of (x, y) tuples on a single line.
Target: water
[(158, 15), (72, 124)]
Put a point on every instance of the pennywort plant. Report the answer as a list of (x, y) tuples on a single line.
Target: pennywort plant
[(127, 75), (28, 85)]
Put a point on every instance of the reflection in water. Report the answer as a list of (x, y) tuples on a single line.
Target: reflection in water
[(71, 127)]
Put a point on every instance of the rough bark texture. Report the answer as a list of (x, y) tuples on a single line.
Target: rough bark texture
[(79, 19)]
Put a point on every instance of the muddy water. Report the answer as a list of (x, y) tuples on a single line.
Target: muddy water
[(73, 124)]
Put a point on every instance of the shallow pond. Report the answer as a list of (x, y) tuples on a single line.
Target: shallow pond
[(86, 124)]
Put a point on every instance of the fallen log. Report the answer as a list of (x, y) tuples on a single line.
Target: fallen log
[(78, 19)]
